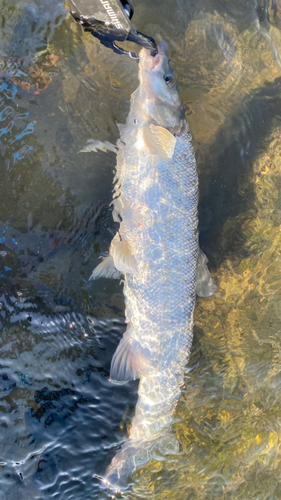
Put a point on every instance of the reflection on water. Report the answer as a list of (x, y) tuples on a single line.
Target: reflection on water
[(61, 419)]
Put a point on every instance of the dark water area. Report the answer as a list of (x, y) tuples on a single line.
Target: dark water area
[(61, 419)]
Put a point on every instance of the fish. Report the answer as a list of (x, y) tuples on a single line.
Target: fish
[(156, 252)]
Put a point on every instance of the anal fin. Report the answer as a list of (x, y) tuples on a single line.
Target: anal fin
[(129, 360)]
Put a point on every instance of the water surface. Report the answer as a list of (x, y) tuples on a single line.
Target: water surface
[(61, 419)]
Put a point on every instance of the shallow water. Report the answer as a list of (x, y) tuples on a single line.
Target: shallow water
[(61, 419)]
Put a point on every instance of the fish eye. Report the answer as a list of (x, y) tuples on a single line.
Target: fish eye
[(169, 80)]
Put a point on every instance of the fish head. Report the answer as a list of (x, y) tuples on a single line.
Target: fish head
[(161, 101)]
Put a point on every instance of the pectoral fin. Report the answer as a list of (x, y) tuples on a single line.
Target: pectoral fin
[(94, 145), (105, 269), (159, 141), (123, 258), (204, 285)]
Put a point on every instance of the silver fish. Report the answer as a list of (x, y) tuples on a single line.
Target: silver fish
[(156, 249)]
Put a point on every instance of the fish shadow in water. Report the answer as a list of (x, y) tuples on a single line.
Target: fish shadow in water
[(227, 191)]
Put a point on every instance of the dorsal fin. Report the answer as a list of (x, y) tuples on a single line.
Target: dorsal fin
[(204, 285)]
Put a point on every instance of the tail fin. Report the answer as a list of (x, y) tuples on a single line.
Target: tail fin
[(136, 453)]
